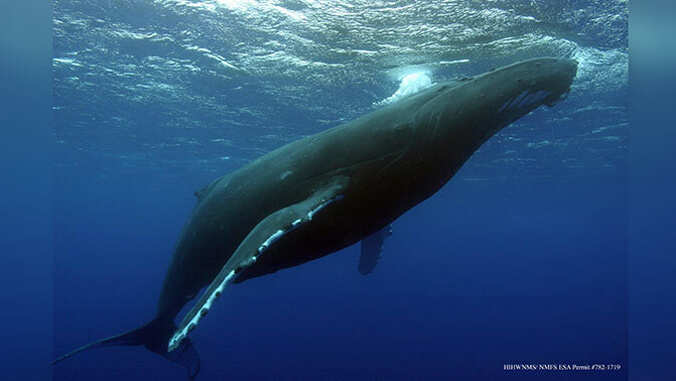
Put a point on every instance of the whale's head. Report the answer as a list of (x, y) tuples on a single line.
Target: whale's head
[(516, 90), (472, 110)]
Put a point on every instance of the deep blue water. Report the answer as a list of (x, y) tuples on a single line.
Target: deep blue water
[(474, 278), (520, 259)]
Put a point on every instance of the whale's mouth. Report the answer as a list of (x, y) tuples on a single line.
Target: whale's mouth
[(552, 102), (570, 72), (526, 99)]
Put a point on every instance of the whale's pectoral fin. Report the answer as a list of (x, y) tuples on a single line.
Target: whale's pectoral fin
[(372, 249), (266, 233)]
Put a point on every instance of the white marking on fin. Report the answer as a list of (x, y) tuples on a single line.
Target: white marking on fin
[(323, 205), (204, 308), (181, 334), (271, 240)]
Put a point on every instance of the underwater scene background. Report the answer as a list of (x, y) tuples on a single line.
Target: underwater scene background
[(520, 259)]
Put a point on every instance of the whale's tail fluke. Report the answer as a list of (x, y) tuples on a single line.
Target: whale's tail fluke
[(154, 336)]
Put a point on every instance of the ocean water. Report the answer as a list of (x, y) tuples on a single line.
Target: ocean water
[(520, 259)]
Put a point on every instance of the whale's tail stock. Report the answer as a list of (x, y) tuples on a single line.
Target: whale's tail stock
[(154, 336)]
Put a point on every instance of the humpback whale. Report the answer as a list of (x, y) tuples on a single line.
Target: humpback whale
[(331, 190)]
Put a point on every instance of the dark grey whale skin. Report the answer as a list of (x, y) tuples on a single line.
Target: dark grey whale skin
[(385, 162), (328, 191)]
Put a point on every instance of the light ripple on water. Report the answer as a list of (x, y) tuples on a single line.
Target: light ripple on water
[(231, 69)]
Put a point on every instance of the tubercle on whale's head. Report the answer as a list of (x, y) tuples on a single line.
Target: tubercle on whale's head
[(497, 98)]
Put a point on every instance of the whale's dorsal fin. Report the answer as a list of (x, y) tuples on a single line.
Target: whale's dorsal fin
[(266, 233), (221, 182), (200, 193), (372, 249)]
